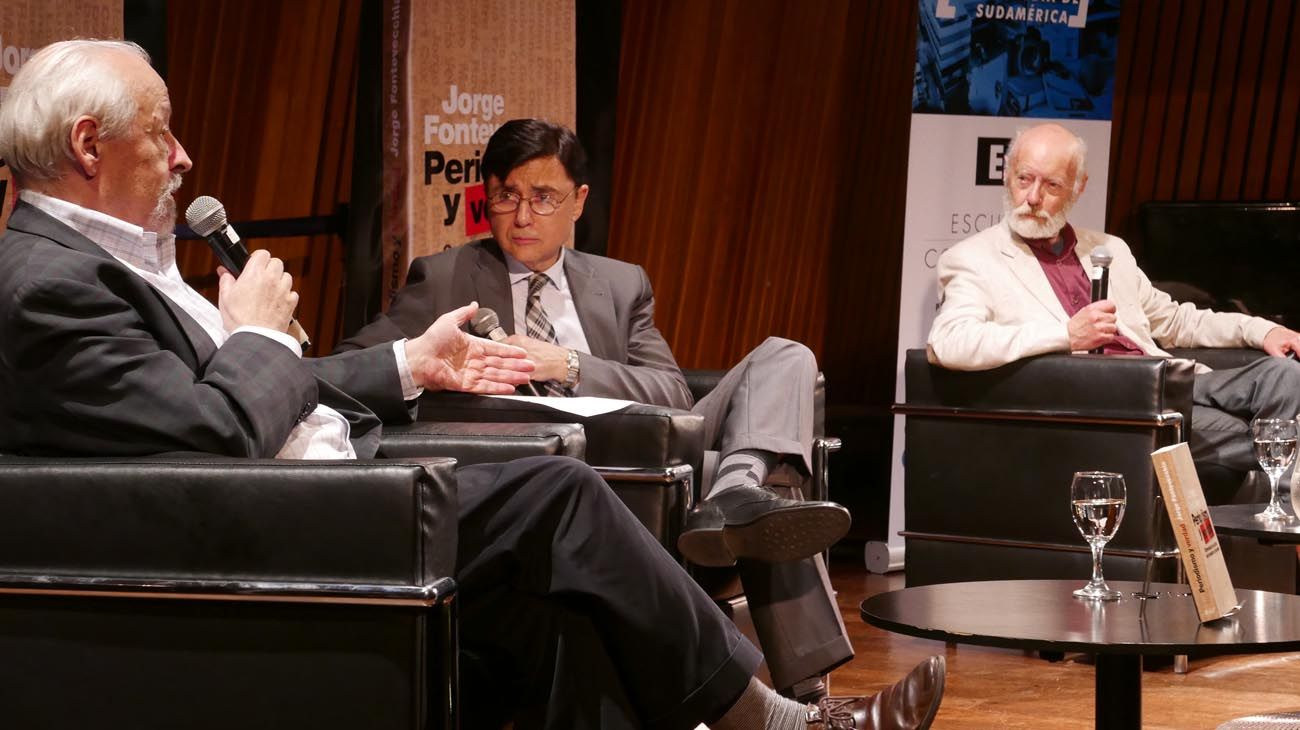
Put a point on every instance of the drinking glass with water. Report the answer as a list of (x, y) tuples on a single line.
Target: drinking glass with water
[(1097, 501), (1275, 445)]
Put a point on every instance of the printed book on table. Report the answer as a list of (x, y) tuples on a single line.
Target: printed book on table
[(1198, 545)]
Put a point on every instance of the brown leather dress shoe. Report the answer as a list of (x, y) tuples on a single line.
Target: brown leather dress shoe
[(910, 704)]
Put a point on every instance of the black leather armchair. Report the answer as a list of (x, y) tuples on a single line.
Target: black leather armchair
[(653, 456), (221, 593), (649, 455), (989, 457)]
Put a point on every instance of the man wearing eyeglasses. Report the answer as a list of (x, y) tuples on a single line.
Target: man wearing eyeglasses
[(587, 322), (1019, 289)]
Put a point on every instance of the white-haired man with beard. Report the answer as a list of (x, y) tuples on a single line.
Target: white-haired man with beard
[(1020, 289)]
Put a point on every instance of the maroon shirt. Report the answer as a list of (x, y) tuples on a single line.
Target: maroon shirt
[(1071, 284)]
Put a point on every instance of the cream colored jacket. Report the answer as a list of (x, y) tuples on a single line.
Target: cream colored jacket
[(996, 305)]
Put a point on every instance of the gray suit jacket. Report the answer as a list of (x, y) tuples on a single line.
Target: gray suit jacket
[(94, 361), (615, 303)]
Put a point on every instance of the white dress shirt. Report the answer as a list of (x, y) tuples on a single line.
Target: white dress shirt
[(323, 434), (556, 298)]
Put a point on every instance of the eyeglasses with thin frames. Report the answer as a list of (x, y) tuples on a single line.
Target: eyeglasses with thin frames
[(508, 201)]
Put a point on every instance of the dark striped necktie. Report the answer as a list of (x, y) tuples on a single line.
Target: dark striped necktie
[(538, 325)]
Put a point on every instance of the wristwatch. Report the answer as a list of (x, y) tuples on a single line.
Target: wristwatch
[(571, 377)]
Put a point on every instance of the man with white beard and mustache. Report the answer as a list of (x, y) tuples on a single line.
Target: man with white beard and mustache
[(1021, 288)]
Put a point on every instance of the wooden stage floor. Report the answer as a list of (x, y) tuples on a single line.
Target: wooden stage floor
[(1001, 688)]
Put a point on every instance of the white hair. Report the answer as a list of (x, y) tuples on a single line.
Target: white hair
[(59, 83), (1079, 158)]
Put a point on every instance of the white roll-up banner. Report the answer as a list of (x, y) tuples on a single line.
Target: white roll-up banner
[(984, 69)]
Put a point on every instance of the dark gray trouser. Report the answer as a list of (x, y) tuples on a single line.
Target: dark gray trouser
[(766, 402), (1225, 401), (574, 617)]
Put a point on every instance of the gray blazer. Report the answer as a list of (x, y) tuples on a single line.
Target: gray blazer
[(94, 361), (629, 357)]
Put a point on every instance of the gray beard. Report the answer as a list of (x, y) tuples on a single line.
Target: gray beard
[(1039, 226), (162, 219)]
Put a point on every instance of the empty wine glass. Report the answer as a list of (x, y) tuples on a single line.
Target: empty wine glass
[(1097, 499), (1275, 443)]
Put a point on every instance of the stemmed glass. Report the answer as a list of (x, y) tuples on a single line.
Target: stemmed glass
[(1097, 499), (1275, 443)]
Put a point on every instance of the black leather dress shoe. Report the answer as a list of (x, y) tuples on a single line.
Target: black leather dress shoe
[(701, 539), (910, 704), (754, 523)]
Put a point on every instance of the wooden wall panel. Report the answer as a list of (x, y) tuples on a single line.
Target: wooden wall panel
[(1282, 163), (758, 175), (1206, 101), (263, 100)]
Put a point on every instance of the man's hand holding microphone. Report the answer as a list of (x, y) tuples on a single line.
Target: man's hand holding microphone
[(1096, 325)]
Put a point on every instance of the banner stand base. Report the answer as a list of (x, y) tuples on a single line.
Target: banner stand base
[(881, 557)]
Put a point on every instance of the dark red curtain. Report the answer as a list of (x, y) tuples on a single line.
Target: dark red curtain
[(263, 102)]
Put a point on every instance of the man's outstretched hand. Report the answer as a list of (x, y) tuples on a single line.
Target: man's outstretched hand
[(446, 358)]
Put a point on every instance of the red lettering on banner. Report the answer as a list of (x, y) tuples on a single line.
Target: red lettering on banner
[(476, 220)]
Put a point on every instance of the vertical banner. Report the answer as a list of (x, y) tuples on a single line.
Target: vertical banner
[(26, 26), (454, 72), (984, 69)]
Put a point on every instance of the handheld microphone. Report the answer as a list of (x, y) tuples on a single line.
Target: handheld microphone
[(207, 217), (486, 323), (1100, 258), (1100, 277)]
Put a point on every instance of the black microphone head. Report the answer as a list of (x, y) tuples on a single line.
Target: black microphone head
[(205, 215), (1100, 255), (484, 321)]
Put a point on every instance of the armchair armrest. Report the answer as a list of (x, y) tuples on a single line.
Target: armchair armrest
[(479, 443), (637, 436), (1096, 386), (371, 522), (648, 454), (1220, 358)]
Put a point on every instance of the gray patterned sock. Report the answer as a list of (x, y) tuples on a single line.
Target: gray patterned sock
[(760, 707), (746, 466)]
